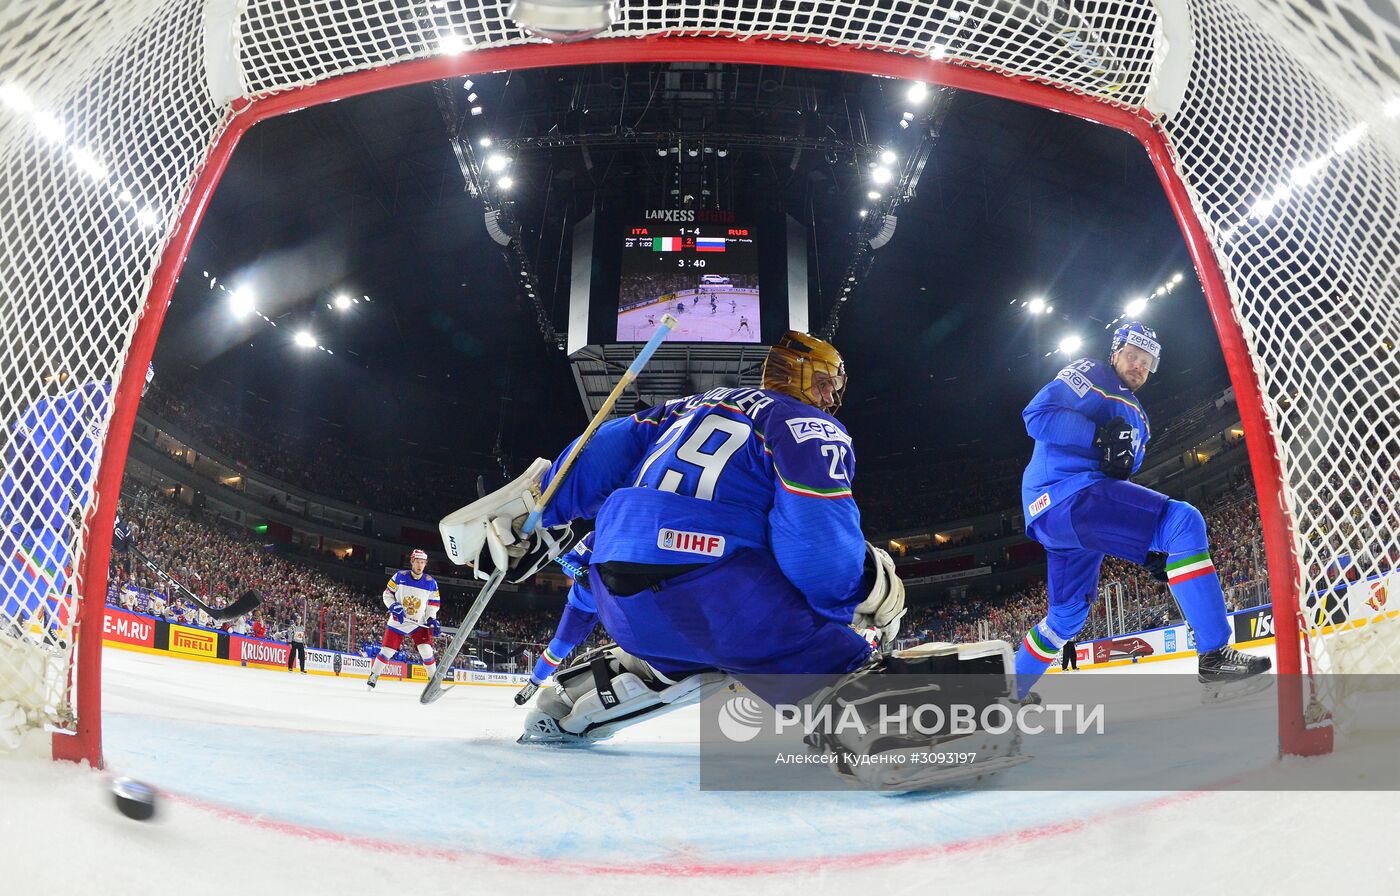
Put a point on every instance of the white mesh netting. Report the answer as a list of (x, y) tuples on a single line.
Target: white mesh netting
[(1286, 140)]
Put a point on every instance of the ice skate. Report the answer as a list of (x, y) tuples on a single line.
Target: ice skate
[(1227, 673)]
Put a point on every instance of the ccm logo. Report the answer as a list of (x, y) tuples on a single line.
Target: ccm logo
[(1039, 504), (690, 542)]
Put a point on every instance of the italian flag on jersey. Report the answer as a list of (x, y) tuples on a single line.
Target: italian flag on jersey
[(1188, 568)]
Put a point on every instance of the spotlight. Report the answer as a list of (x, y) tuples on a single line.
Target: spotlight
[(692, 152), (881, 175), (471, 97), (863, 213), (476, 110), (505, 182), (1036, 305), (721, 152), (888, 157), (918, 92), (484, 142), (1135, 307), (873, 195), (1177, 277), (242, 302), (451, 44), (497, 162), (304, 339), (661, 151), (467, 84), (342, 302), (1070, 344)]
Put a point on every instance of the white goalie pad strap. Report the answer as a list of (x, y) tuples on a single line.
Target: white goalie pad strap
[(883, 607), (486, 522), (636, 703)]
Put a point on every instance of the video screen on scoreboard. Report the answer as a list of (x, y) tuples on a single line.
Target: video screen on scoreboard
[(704, 275)]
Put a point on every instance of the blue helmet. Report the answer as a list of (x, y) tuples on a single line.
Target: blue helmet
[(1137, 334)]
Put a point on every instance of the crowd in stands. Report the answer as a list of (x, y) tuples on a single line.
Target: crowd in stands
[(370, 483), (218, 561), (894, 500)]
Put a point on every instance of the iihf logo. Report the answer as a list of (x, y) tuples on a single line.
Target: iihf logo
[(741, 718)]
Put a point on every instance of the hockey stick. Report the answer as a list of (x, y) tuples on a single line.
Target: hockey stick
[(246, 603), (668, 323), (433, 689)]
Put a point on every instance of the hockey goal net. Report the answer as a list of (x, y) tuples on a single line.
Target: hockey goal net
[(1273, 124)]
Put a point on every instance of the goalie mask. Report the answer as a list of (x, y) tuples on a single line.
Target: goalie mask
[(801, 365)]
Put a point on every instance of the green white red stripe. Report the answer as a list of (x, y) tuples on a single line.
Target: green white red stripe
[(1188, 568), (549, 657), (36, 568), (1039, 646)]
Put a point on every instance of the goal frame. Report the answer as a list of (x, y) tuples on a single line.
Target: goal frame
[(1295, 735)]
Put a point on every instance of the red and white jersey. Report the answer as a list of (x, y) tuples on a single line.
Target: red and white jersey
[(419, 597)]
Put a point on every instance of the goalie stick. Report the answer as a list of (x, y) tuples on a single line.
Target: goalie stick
[(668, 323), (246, 603), (433, 690)]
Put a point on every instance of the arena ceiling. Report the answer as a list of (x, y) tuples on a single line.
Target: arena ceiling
[(451, 359)]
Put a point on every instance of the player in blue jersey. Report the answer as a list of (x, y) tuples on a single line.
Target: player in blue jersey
[(575, 625), (1090, 436), (727, 545), (51, 457)]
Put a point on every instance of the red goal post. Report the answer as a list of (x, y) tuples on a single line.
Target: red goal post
[(1272, 126)]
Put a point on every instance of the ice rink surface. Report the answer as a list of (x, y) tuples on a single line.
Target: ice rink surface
[(276, 780), (697, 323)]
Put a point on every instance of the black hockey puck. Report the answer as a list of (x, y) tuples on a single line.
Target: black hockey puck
[(134, 799)]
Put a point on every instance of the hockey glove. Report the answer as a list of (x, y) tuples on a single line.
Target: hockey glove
[(883, 606), (396, 611), (529, 553), (1115, 443), (435, 627), (1156, 565)]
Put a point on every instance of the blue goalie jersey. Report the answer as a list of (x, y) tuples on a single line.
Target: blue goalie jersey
[(698, 478), (1062, 418)]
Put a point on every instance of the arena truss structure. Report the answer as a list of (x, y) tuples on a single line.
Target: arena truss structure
[(1272, 124)]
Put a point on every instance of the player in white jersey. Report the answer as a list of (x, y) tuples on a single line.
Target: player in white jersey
[(413, 601)]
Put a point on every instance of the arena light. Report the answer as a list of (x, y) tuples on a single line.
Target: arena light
[(1178, 277), (1071, 344), (467, 84), (242, 302), (863, 213), (49, 127), (1135, 307), (304, 339), (873, 195), (88, 163), (342, 302), (497, 162), (15, 98), (484, 142), (917, 93), (888, 157), (471, 97), (881, 175), (147, 217), (1036, 306), (477, 110), (505, 182), (451, 44)]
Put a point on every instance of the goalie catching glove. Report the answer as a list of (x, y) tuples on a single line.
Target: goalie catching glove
[(496, 522), (883, 606)]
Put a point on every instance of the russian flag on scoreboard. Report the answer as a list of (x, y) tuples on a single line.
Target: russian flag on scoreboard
[(709, 244), (665, 244)]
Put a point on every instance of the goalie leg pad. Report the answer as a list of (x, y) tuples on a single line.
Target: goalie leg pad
[(885, 757), (607, 690)]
